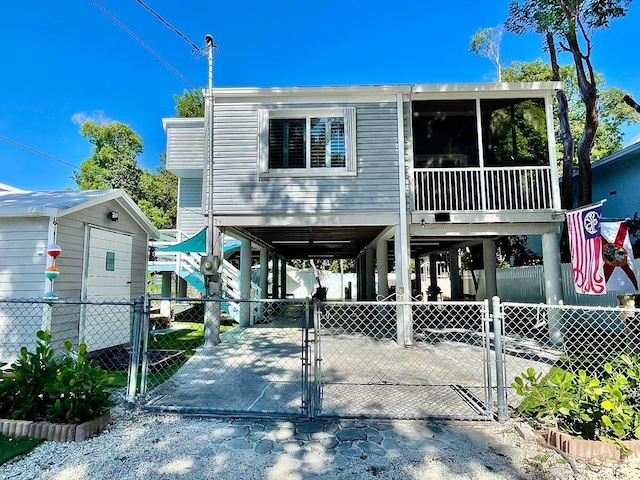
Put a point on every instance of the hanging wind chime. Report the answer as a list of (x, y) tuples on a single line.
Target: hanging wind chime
[(52, 272)]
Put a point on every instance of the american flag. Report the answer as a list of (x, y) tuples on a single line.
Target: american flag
[(585, 246)]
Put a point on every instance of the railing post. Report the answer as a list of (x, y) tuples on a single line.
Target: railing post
[(134, 360), (500, 367)]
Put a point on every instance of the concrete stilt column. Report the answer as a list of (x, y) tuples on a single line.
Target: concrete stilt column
[(275, 276), (433, 274), (370, 284), (553, 283), (245, 282), (264, 273), (416, 285), (382, 264), (403, 289), (283, 277), (454, 270), (165, 305), (490, 265), (182, 287)]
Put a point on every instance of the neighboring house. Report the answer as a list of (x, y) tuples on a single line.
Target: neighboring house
[(381, 174), (104, 240), (616, 179)]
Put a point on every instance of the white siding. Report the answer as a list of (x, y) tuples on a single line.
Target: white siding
[(185, 147), (238, 189), (21, 268), (190, 214)]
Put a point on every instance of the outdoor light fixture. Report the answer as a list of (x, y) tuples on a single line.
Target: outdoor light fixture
[(113, 216), (290, 242), (331, 241), (423, 224)]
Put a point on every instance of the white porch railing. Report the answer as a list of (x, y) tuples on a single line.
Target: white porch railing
[(482, 189)]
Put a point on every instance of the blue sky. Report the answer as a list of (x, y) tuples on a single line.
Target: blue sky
[(64, 61)]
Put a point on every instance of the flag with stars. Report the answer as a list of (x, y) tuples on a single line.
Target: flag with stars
[(585, 246), (617, 255)]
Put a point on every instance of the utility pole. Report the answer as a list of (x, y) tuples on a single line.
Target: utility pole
[(211, 263)]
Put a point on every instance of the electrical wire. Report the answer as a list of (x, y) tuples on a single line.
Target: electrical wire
[(141, 42), (31, 149), (178, 32), (195, 49)]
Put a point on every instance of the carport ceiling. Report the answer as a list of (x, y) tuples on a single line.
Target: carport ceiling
[(315, 242)]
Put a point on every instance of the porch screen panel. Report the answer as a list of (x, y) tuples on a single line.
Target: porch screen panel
[(514, 132)]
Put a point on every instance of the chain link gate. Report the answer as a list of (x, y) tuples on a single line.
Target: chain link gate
[(361, 371), (259, 367)]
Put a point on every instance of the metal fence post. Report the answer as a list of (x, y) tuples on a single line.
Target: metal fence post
[(145, 350), (486, 321), (316, 407), (132, 378), (500, 368)]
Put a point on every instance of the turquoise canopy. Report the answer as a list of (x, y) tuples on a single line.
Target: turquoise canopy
[(198, 244)]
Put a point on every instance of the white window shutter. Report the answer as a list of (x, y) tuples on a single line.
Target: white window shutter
[(263, 140), (350, 138)]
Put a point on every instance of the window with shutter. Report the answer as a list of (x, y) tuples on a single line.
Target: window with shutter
[(307, 142)]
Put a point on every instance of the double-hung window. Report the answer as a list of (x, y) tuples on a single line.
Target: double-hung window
[(307, 142)]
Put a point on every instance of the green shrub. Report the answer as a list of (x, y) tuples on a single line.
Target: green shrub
[(39, 386), (606, 408)]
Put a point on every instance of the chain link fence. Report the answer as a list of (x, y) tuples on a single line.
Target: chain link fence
[(566, 337), (256, 365), (267, 359), (361, 370), (105, 326)]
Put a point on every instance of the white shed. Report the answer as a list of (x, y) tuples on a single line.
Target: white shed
[(104, 239)]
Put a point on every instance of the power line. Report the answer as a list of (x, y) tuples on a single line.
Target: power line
[(141, 42), (195, 48), (180, 34), (31, 149)]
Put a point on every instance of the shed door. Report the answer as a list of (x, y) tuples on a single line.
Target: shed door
[(107, 277)]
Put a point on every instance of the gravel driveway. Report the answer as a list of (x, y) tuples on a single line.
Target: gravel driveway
[(142, 445)]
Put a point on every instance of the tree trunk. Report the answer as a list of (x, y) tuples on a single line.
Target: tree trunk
[(566, 194), (589, 95)]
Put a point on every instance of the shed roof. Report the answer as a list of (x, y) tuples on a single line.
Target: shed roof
[(64, 202)]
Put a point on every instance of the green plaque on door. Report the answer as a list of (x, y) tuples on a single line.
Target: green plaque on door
[(111, 261)]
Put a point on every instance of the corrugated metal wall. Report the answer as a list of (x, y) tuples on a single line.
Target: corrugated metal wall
[(526, 284)]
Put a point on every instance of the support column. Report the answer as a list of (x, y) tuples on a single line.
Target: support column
[(165, 305), (553, 283), (283, 277), (382, 264), (403, 288), (275, 276), (264, 273), (245, 282), (490, 265), (454, 271), (417, 282), (370, 274), (182, 287)]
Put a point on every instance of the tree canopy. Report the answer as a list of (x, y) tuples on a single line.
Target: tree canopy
[(569, 25), (190, 104), (613, 113), (486, 42), (113, 164)]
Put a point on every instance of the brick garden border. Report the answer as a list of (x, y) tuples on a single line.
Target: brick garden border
[(589, 449), (55, 432)]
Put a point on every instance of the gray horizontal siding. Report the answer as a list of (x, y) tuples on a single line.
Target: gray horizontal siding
[(238, 189), (185, 147), (21, 268), (190, 218)]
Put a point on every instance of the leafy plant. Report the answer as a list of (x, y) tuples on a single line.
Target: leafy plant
[(41, 386), (606, 408), (22, 390)]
